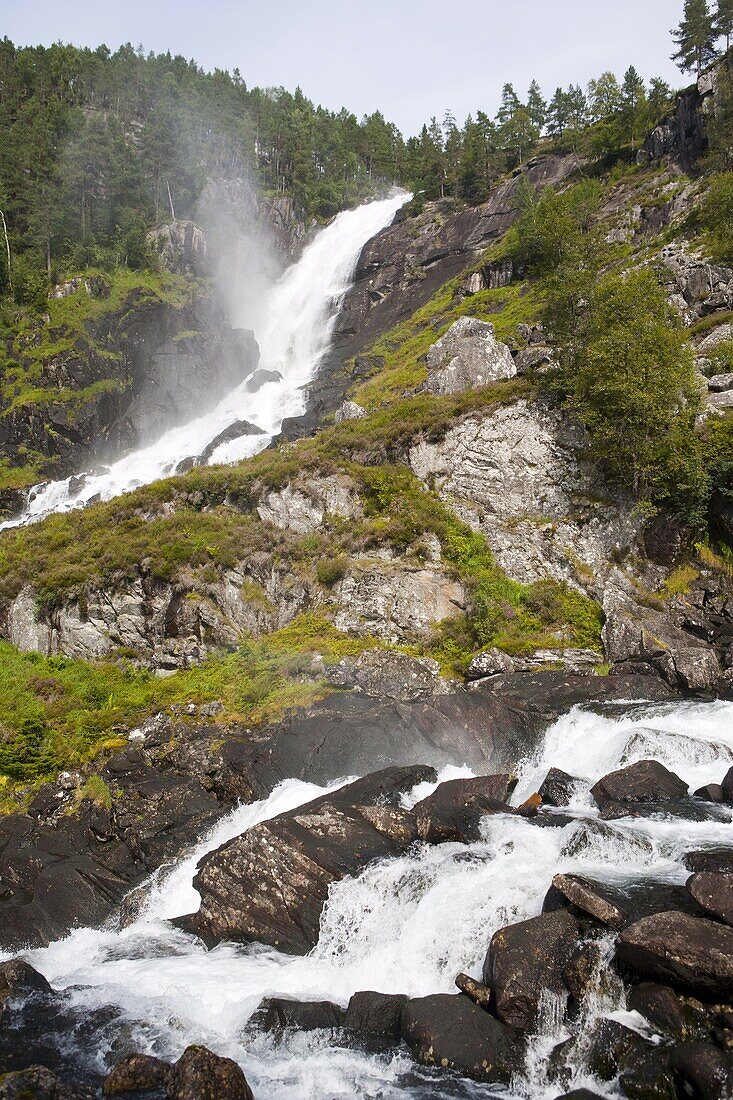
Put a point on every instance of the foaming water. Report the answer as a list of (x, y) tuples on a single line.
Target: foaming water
[(405, 925), (295, 332)]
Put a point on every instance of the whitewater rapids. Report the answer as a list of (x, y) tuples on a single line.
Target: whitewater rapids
[(295, 332), (405, 925)]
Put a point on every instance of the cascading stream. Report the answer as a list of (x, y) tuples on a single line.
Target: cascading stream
[(404, 925), (298, 321)]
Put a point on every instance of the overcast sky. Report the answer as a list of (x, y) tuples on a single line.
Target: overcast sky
[(408, 58)]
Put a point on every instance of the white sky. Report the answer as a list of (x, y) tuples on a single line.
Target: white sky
[(408, 58)]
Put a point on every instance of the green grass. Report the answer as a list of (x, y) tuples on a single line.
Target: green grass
[(57, 713)]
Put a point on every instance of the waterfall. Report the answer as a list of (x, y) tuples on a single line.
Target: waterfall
[(404, 925), (295, 332)]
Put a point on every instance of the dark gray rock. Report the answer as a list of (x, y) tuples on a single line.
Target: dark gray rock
[(136, 1073), (279, 1013), (260, 378), (647, 781), (727, 786), (454, 810), (557, 787), (711, 792), (270, 884), (452, 1032), (710, 859), (524, 960), (584, 895), (19, 979), (479, 993), (703, 1071), (39, 1083), (713, 891), (238, 430), (201, 1075), (375, 1013), (675, 1016), (690, 953)]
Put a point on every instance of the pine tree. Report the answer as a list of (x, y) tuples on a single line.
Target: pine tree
[(537, 107), (633, 104), (695, 37), (724, 21)]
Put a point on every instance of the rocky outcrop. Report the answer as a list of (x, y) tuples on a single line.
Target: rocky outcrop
[(180, 247), (303, 506), (468, 357), (514, 473), (682, 135), (403, 266)]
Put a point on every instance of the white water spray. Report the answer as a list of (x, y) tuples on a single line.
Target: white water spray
[(298, 321), (405, 925)]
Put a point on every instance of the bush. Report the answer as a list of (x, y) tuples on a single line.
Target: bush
[(330, 571), (716, 216), (628, 377)]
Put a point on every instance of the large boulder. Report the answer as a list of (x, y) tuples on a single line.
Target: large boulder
[(201, 1075), (690, 952), (467, 357), (279, 1013), (180, 247), (373, 1013), (451, 1031), (19, 979), (713, 891), (38, 1083), (136, 1073), (527, 960), (703, 1070), (643, 783), (270, 884), (454, 810)]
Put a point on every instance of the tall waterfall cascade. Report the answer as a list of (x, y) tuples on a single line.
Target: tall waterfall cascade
[(295, 332)]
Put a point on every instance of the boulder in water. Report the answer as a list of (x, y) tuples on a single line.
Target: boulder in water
[(727, 786), (669, 1013), (710, 859), (590, 899), (689, 952), (526, 960), (454, 810), (557, 788), (647, 781), (703, 1070), (237, 430), (19, 979), (38, 1083), (271, 883), (279, 1013), (375, 1013), (201, 1075), (450, 1031), (137, 1073), (260, 378), (479, 993), (713, 891)]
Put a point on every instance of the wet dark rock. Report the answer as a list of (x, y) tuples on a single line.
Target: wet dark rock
[(38, 1083), (19, 979), (727, 786), (647, 781), (279, 1013), (689, 952), (580, 1094), (200, 1075), (375, 1013), (454, 810), (452, 1032), (479, 993), (270, 884), (711, 792), (583, 970), (526, 959), (557, 787), (703, 1071), (137, 1073), (260, 378), (713, 891), (238, 430), (586, 896), (677, 1017), (710, 859)]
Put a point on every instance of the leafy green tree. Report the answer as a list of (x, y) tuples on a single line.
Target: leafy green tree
[(604, 97), (716, 216), (659, 98), (695, 37), (628, 376)]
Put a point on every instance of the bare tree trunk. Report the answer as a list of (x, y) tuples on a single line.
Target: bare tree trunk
[(170, 200), (7, 249)]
